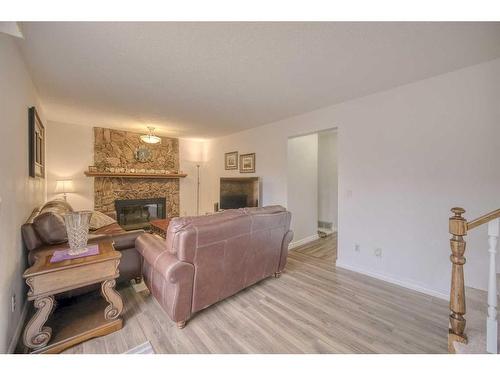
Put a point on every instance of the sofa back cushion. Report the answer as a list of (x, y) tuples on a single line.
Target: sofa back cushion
[(230, 250)]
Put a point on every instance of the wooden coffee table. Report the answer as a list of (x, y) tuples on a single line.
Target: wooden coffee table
[(160, 227), (87, 318)]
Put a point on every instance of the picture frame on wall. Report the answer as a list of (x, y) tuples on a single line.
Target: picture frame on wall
[(231, 160), (247, 163), (36, 135)]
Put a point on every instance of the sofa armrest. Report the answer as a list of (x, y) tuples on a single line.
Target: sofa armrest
[(150, 247), (168, 279), (284, 249), (97, 237), (126, 240)]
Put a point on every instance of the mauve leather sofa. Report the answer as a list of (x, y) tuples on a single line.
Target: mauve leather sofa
[(205, 259)]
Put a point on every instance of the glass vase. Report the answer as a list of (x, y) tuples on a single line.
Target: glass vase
[(77, 227)]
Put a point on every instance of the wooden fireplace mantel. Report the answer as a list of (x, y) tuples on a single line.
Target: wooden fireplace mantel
[(135, 175)]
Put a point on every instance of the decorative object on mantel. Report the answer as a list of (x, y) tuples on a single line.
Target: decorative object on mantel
[(143, 154), (64, 187), (231, 160), (247, 163), (133, 173), (151, 138), (77, 227), (36, 144)]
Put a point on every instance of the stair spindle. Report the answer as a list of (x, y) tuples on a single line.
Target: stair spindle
[(491, 322), (457, 229)]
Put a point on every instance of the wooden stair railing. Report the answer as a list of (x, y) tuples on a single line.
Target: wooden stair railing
[(458, 227)]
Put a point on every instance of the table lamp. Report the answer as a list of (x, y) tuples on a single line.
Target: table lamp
[(64, 186)]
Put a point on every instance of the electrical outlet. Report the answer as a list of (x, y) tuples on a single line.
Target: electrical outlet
[(357, 247), (378, 252), (13, 303)]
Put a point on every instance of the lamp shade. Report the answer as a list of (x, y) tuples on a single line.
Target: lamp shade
[(195, 151), (64, 186), (151, 137)]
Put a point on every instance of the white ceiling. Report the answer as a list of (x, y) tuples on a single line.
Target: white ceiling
[(211, 79)]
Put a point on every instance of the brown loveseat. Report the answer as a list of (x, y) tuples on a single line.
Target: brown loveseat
[(45, 230), (208, 258)]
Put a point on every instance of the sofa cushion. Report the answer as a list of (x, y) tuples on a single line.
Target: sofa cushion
[(99, 220), (49, 223), (30, 237), (51, 228)]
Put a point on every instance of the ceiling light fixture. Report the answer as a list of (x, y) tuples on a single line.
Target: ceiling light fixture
[(151, 137)]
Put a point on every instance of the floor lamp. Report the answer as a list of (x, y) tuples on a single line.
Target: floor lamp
[(197, 189)]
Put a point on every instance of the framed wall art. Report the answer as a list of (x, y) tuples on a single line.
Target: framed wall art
[(247, 163), (231, 160), (36, 136)]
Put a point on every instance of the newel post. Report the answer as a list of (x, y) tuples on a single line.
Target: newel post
[(458, 229)]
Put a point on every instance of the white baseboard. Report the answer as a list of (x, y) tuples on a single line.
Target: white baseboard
[(19, 328), (302, 241), (404, 283)]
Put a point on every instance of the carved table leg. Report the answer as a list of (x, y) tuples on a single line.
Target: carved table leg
[(115, 307), (35, 334)]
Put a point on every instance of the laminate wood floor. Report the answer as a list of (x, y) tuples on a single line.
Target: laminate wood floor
[(313, 308)]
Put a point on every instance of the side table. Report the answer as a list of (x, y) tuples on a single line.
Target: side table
[(160, 227), (87, 318)]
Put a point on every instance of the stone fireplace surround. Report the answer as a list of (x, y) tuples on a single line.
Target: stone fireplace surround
[(116, 148)]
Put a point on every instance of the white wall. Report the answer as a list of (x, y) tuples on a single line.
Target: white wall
[(327, 177), (302, 180), (70, 150), (405, 157), (19, 193)]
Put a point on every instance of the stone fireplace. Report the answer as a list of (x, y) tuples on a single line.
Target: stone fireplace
[(116, 149)]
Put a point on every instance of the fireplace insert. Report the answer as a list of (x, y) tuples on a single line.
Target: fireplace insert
[(137, 213)]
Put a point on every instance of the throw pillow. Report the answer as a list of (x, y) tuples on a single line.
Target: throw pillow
[(99, 220)]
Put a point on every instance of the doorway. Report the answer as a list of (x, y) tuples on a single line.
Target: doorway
[(327, 182), (312, 186)]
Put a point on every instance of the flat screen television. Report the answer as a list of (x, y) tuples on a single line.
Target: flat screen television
[(239, 192)]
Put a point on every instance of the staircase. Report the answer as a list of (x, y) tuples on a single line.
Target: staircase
[(482, 329)]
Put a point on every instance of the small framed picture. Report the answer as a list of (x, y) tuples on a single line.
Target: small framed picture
[(247, 163), (231, 160)]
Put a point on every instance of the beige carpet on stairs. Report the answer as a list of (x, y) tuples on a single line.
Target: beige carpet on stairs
[(477, 310)]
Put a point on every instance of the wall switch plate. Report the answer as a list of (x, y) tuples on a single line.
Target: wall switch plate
[(13, 303), (357, 247), (378, 252)]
